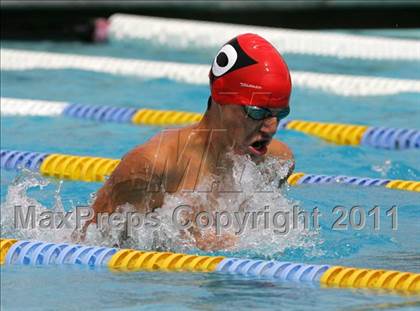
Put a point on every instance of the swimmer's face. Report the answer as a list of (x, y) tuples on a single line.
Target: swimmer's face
[(247, 136)]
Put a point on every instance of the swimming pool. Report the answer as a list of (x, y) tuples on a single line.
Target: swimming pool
[(71, 287)]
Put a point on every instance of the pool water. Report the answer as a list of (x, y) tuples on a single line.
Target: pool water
[(68, 287)]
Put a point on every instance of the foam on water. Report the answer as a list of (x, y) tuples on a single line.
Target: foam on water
[(249, 192), (17, 197), (256, 192)]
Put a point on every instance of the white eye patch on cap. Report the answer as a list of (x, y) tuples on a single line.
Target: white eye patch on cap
[(224, 60)]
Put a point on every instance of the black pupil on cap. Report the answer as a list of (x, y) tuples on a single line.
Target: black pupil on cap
[(222, 59)]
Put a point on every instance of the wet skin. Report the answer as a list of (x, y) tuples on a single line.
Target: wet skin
[(179, 160)]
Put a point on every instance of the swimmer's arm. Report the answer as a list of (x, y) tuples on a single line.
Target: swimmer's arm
[(208, 239), (134, 182)]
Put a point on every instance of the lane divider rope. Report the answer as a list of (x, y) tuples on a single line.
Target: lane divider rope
[(344, 85), (35, 253), (189, 34), (342, 134), (90, 169), (96, 169), (133, 260), (164, 117)]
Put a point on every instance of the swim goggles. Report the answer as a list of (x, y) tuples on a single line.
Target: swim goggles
[(258, 113)]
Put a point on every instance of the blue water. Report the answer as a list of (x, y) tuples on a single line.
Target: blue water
[(70, 288)]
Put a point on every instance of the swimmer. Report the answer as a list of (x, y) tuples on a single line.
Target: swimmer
[(250, 89)]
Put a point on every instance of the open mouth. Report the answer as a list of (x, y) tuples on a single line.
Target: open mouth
[(259, 147)]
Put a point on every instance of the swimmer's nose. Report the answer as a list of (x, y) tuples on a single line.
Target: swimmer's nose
[(269, 126)]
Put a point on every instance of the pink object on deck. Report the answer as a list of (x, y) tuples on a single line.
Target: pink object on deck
[(100, 33)]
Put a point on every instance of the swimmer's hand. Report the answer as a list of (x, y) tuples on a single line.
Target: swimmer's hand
[(210, 241), (78, 236)]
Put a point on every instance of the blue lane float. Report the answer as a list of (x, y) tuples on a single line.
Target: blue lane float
[(13, 159), (284, 271), (44, 253), (100, 113), (391, 138), (348, 180)]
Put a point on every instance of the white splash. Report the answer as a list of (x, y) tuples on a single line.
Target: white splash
[(384, 168), (18, 198), (256, 190)]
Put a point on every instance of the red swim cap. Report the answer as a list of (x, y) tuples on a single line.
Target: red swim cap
[(248, 70)]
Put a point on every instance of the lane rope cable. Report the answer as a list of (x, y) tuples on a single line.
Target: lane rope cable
[(36, 253), (189, 34), (341, 134), (344, 85), (96, 169)]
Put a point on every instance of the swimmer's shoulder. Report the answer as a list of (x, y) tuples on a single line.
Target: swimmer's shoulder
[(280, 150), (136, 166), (152, 155), (158, 156)]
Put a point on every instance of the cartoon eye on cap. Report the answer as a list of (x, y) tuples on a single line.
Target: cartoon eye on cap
[(230, 57), (224, 60)]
